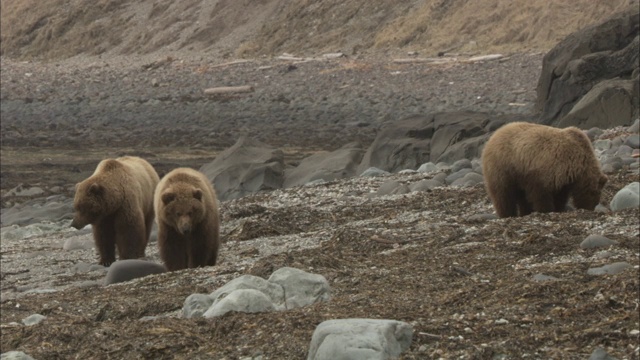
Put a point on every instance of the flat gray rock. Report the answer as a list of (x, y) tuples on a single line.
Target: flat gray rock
[(543, 277), (15, 355), (33, 319), (129, 269), (601, 354), (610, 269), (596, 241), (359, 339)]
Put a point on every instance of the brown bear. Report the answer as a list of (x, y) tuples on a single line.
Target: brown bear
[(531, 167), (188, 221), (117, 200)]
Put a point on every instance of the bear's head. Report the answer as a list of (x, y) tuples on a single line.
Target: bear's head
[(89, 203), (183, 208), (587, 195)]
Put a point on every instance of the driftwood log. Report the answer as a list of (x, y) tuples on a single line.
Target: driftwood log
[(228, 90)]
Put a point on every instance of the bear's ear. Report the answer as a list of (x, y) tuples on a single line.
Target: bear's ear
[(168, 197), (197, 193), (96, 189)]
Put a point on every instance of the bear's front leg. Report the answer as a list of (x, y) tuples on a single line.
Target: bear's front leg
[(104, 237), (198, 252), (131, 237), (172, 248)]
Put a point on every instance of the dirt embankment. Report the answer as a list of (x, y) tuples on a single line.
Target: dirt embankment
[(63, 28)]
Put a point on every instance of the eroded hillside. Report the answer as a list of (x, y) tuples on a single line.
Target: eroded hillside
[(55, 29)]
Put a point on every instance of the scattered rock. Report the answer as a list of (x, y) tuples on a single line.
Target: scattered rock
[(627, 197), (601, 354), (610, 269), (596, 241), (424, 185), (633, 141), (33, 319), (78, 243), (427, 168), (542, 277), (373, 171), (15, 355)]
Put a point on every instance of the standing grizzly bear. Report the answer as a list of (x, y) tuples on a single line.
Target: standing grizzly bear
[(188, 222), (117, 200), (531, 167)]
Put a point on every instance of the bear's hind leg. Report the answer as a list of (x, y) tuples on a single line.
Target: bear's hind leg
[(560, 199), (524, 206), (543, 201), (504, 202)]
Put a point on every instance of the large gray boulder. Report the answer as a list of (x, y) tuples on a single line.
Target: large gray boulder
[(359, 339), (287, 288), (247, 167), (413, 141), (325, 165), (573, 68), (129, 269)]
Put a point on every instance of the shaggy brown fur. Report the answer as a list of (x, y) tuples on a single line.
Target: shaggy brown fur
[(188, 220), (531, 167), (117, 200)]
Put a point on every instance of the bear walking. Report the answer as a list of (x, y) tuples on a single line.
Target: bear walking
[(188, 221), (531, 167), (117, 200)]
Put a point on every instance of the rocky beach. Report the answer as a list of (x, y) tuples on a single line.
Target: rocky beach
[(365, 185)]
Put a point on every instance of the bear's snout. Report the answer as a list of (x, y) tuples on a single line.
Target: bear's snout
[(184, 226), (76, 223)]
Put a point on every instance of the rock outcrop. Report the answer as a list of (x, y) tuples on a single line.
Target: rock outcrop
[(591, 77), (411, 142), (247, 167)]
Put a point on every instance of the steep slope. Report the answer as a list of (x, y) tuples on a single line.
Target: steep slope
[(63, 28)]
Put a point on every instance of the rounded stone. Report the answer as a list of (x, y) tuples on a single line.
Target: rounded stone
[(596, 241)]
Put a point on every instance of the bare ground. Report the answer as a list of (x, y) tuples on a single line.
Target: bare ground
[(465, 285)]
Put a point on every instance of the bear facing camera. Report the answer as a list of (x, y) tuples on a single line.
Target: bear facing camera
[(188, 220), (117, 200), (532, 167)]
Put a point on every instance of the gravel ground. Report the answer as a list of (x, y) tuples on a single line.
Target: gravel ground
[(317, 103)]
